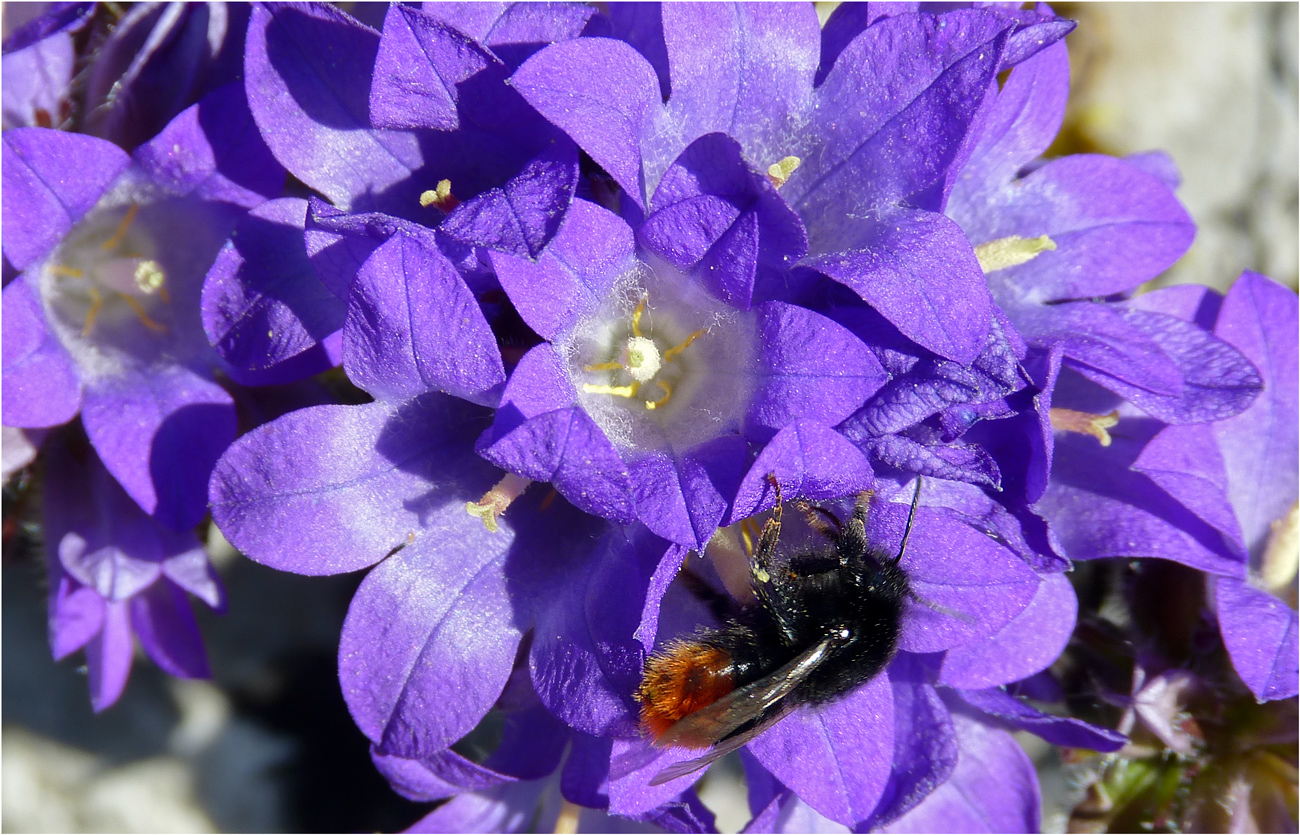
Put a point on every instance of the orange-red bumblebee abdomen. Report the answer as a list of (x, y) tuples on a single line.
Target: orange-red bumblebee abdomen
[(681, 680)]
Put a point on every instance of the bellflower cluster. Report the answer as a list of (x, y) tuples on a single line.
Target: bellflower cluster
[(595, 280), (101, 322), (701, 311)]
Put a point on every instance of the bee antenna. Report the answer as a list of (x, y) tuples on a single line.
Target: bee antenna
[(911, 517)]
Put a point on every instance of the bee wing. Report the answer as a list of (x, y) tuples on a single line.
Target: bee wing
[(723, 748), (747, 703)]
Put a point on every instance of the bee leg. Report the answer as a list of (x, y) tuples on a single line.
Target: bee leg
[(762, 569), (853, 536), (820, 520)]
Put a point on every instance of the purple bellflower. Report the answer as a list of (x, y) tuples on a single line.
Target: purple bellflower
[(681, 361), (415, 140), (1218, 498), (102, 323)]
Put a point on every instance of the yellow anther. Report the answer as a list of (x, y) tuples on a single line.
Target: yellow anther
[(672, 352), (568, 819), (118, 236), (636, 316), (612, 365), (496, 500), (668, 394), (135, 305), (66, 272), (96, 304), (779, 172), (747, 536), (1011, 251), (1068, 420), (1277, 569), (439, 196), (616, 391)]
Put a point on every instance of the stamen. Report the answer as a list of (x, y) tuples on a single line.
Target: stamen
[(567, 821), (668, 394), (1011, 251), (496, 500), (1282, 552), (440, 196), (636, 316), (747, 535), (616, 391), (96, 304), (779, 172), (672, 352), (135, 305), (1068, 420), (67, 272), (612, 365), (118, 236)]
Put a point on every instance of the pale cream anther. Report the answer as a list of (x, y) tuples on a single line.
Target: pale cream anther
[(1011, 251), (1086, 423), (496, 500)]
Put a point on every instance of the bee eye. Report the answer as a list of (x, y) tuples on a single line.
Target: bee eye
[(844, 633)]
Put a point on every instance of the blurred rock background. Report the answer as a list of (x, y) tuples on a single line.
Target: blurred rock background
[(267, 745)]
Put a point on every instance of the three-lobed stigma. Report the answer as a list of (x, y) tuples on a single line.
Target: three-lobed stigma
[(642, 362)]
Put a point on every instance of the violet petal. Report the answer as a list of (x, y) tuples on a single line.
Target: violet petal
[(1259, 631), (51, 179), (160, 431), (836, 757), (417, 665), (420, 65), (585, 660), (743, 70), (619, 101), (413, 326), (165, 625), (992, 789), (808, 366), (1218, 382), (1029, 642), (956, 567), (445, 774), (307, 70), (872, 104), (919, 271), (592, 248), (42, 386), (1260, 445), (262, 303), (522, 216), (76, 615), (288, 501), (925, 746), (213, 150), (684, 497), (811, 461), (1185, 461), (1001, 706), (108, 656)]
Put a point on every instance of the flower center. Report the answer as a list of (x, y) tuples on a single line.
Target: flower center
[(642, 361), (105, 275), (661, 363)]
